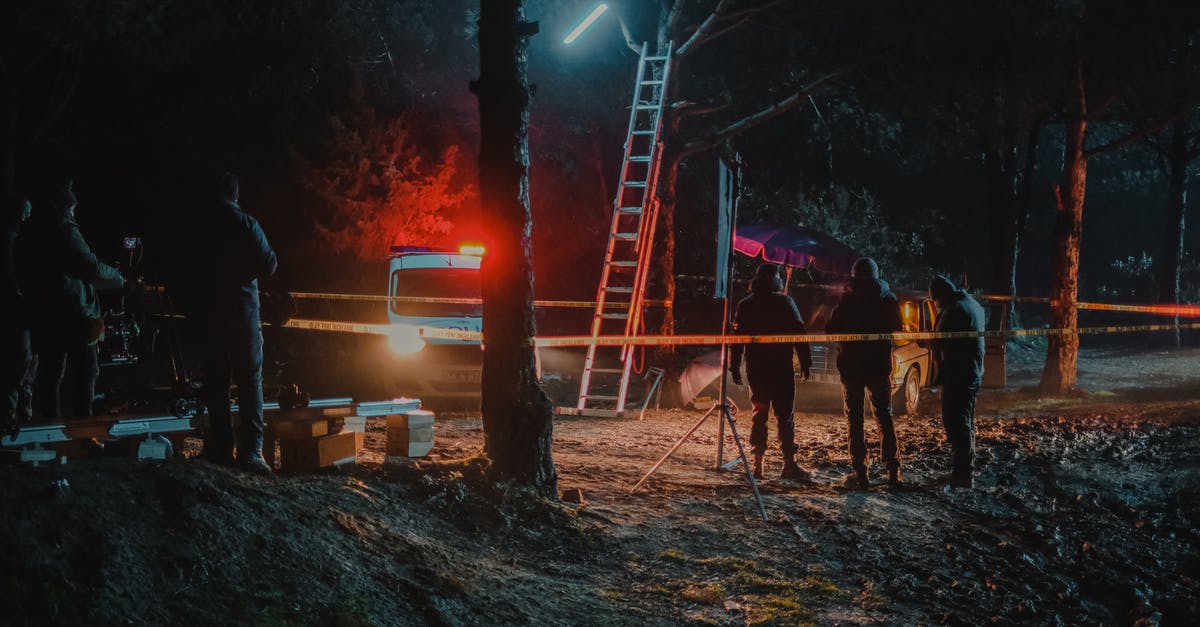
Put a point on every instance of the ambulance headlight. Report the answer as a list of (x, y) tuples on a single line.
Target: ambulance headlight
[(405, 340)]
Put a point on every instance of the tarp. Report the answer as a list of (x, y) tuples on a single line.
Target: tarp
[(795, 246)]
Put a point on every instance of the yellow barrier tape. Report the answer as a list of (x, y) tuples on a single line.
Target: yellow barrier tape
[(1183, 311), (376, 298), (708, 340)]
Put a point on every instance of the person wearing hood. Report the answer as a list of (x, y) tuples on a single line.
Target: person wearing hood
[(958, 363), (221, 295), (769, 310), (14, 327), (867, 306), (59, 276)]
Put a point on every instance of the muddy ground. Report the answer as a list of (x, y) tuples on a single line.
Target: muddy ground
[(1085, 510)]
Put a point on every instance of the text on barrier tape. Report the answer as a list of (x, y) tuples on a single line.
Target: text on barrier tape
[(706, 340), (377, 298)]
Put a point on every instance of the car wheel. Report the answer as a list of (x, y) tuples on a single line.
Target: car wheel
[(909, 395)]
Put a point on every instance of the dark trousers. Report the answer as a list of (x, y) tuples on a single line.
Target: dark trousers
[(958, 416), (777, 391), (854, 392), (53, 361), (237, 350), (16, 357)]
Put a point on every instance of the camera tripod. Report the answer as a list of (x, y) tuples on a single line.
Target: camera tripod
[(723, 409)]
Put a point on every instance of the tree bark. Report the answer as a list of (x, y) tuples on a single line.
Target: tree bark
[(1171, 259), (1062, 354), (1001, 158), (517, 415), (1024, 207)]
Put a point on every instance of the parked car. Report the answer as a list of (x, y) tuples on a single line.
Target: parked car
[(912, 360)]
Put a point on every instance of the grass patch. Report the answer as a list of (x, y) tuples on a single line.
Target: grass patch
[(778, 609), (612, 596), (672, 554), (706, 594)]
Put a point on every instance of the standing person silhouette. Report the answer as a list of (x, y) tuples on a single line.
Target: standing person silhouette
[(769, 310), (867, 306)]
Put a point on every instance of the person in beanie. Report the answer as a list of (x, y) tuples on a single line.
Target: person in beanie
[(958, 363), (221, 300), (768, 310), (14, 331), (59, 276), (867, 306)]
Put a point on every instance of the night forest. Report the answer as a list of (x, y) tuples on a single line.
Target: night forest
[(1025, 148)]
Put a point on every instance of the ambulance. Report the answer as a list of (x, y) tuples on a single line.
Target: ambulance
[(435, 289)]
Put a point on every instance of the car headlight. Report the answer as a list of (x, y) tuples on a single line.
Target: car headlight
[(405, 340)]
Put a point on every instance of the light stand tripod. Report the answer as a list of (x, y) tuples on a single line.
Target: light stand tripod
[(723, 407), (726, 417)]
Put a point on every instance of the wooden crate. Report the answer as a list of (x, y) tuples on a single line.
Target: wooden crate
[(410, 435), (316, 453)]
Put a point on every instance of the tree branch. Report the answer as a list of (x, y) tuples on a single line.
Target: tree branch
[(687, 108), (701, 31), (750, 121), (628, 35), (705, 34), (1187, 109)]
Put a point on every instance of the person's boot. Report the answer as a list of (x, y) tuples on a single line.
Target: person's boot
[(894, 478), (857, 480), (793, 471), (758, 466), (255, 464)]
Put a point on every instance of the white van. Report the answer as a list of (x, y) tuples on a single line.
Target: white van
[(435, 369)]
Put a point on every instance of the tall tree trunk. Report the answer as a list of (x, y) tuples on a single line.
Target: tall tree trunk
[(1171, 260), (517, 415), (1024, 207), (1002, 170), (1062, 354)]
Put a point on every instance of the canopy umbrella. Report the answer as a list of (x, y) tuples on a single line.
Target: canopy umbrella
[(795, 247)]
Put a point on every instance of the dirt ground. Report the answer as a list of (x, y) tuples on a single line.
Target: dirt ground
[(1085, 510)]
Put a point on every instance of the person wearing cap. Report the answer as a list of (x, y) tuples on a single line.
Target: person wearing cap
[(867, 306), (220, 293), (59, 276), (958, 364), (769, 310), (14, 328)]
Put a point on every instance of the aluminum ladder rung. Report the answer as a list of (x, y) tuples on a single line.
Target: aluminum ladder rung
[(629, 263)]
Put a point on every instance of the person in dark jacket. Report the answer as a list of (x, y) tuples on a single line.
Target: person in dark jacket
[(768, 310), (959, 367), (867, 306), (15, 353), (59, 278), (222, 302)]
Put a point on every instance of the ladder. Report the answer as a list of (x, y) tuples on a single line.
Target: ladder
[(606, 370)]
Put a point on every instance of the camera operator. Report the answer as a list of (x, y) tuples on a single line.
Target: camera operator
[(59, 278)]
